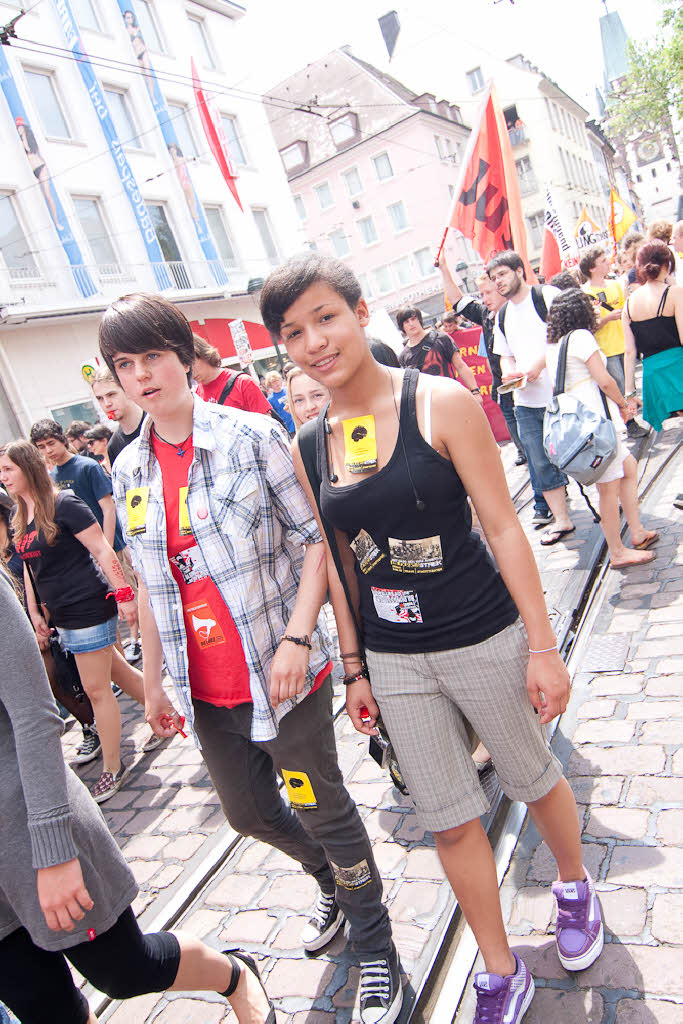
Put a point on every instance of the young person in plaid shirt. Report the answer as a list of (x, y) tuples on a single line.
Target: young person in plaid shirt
[(232, 572)]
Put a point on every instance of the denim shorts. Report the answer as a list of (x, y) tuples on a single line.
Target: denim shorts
[(90, 638), (544, 476)]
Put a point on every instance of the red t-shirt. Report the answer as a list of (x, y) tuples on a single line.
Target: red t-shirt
[(217, 667), (244, 394)]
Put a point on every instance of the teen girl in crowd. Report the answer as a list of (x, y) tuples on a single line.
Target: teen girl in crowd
[(451, 643), (65, 889), (653, 326), (574, 313), (305, 396), (55, 533)]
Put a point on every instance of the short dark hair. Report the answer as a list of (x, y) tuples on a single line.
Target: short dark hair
[(382, 353), (450, 317), (100, 432), (651, 258), (286, 284), (206, 351), (139, 322), (564, 280), (406, 313), (590, 258), (571, 310), (43, 430), (510, 259), (77, 428)]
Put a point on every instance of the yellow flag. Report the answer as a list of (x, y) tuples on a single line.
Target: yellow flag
[(588, 233), (622, 216)]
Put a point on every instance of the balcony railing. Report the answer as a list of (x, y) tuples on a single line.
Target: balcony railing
[(517, 135)]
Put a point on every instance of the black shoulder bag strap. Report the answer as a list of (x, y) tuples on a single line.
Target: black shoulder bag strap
[(538, 299), (312, 453), (230, 385), (501, 319)]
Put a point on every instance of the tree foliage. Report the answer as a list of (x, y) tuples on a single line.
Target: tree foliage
[(652, 91)]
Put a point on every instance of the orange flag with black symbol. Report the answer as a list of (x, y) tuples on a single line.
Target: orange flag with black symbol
[(486, 205)]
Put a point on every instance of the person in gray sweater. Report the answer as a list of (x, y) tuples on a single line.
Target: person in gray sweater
[(65, 889)]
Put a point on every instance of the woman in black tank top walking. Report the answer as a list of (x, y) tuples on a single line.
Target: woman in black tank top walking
[(442, 649)]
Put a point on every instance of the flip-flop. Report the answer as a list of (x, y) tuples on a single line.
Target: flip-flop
[(632, 565), (556, 536), (647, 543)]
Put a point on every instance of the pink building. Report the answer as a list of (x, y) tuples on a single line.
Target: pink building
[(372, 167)]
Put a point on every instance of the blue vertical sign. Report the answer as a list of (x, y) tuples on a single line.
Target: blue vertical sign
[(75, 44), (84, 282), (171, 139)]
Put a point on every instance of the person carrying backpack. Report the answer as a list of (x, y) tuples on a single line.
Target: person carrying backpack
[(520, 341)]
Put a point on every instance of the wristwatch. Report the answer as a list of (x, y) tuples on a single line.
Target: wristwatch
[(475, 391)]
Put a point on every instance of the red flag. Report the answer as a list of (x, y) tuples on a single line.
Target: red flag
[(216, 144), (486, 204), (551, 262)]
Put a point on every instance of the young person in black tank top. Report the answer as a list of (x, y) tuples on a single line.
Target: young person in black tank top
[(445, 648)]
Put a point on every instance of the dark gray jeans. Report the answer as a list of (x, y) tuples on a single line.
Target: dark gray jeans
[(325, 832)]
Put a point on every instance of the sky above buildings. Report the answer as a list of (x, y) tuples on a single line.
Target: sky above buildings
[(439, 37)]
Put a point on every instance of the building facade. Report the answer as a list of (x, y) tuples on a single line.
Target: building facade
[(372, 167), (109, 187)]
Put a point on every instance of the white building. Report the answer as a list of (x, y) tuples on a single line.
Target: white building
[(47, 328)]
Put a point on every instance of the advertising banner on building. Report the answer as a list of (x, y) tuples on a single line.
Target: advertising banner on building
[(96, 94), (82, 277), (176, 155)]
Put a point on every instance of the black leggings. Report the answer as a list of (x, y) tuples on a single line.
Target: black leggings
[(122, 962)]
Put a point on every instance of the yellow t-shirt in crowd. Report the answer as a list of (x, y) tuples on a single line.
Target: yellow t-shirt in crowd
[(610, 337)]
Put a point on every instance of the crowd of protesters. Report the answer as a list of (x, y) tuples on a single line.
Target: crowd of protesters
[(215, 520)]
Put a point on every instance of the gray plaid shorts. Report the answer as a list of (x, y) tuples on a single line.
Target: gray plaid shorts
[(429, 702)]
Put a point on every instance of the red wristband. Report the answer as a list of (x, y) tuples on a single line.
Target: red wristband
[(122, 595)]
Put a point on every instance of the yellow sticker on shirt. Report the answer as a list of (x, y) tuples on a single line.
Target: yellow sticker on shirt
[(300, 790), (137, 499), (184, 528), (360, 444)]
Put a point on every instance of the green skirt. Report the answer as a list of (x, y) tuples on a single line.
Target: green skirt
[(662, 386)]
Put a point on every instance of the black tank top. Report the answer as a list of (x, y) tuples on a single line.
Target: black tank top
[(426, 580), (656, 334)]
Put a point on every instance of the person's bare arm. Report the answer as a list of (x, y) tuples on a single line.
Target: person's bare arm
[(454, 416), (465, 374), (508, 368), (35, 614), (451, 289), (609, 386), (108, 518), (629, 353), (160, 714), (94, 540)]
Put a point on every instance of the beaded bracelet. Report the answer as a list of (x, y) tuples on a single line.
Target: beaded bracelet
[(355, 677), (300, 641)]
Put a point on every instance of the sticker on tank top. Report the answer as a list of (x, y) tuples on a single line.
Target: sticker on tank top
[(360, 444), (423, 555), (366, 551), (396, 605), (190, 564)]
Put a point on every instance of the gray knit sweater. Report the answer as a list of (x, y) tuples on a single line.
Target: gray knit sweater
[(47, 816)]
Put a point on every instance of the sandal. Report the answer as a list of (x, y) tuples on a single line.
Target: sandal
[(235, 955), (651, 539), (553, 536)]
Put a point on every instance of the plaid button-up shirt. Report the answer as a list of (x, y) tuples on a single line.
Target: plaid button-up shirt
[(251, 521)]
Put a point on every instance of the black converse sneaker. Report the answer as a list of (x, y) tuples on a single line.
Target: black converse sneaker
[(89, 748), (381, 994), (323, 924)]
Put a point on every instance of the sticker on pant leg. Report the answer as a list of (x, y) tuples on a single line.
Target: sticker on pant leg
[(300, 790), (354, 877)]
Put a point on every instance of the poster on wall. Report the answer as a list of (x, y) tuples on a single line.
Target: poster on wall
[(176, 155), (43, 180)]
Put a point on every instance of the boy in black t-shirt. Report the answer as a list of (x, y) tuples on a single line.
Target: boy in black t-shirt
[(432, 352)]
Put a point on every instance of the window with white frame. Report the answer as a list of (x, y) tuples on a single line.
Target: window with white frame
[(536, 222), (527, 178), (147, 23), (324, 195), (365, 286), (200, 41), (14, 244), (95, 230), (383, 168), (85, 14), (300, 207), (368, 231), (262, 221), (384, 282), (216, 222), (425, 262), (119, 108), (403, 271), (44, 93), (295, 156), (234, 139), (180, 119), (398, 216), (344, 129), (475, 80), (340, 243), (352, 181)]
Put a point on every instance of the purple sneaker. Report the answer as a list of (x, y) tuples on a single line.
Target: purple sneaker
[(578, 930), (504, 1000)]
